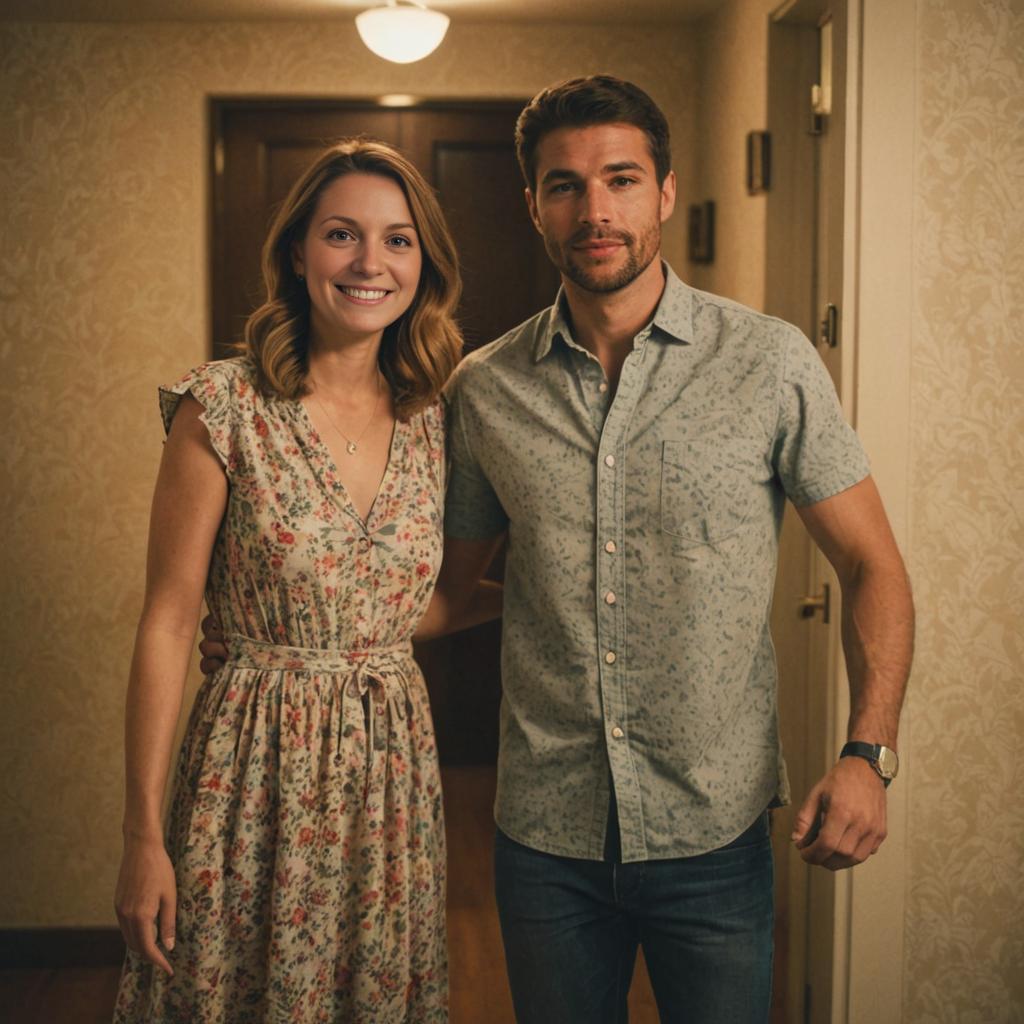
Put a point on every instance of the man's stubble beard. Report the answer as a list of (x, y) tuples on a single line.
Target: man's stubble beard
[(639, 258)]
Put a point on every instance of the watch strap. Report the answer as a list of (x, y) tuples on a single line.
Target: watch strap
[(870, 752)]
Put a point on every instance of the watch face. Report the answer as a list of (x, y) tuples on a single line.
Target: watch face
[(888, 763)]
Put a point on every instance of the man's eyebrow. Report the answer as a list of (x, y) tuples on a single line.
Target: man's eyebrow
[(558, 174), (623, 165), (562, 174)]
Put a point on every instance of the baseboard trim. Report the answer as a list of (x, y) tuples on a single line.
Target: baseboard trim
[(60, 947)]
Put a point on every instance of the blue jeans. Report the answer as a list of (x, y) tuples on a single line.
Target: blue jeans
[(571, 929)]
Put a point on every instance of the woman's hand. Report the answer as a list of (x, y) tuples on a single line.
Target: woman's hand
[(146, 900)]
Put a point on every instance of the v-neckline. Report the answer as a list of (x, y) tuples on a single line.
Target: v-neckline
[(327, 460)]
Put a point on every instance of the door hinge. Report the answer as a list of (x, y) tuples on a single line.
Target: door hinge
[(828, 333)]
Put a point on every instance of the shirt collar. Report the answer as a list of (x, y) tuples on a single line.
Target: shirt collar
[(673, 318)]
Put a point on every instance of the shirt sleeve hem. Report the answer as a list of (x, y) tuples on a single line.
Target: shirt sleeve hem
[(828, 487)]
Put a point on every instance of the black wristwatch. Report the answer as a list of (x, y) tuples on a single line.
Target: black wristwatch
[(882, 759)]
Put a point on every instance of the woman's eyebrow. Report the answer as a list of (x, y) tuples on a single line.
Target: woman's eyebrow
[(402, 225)]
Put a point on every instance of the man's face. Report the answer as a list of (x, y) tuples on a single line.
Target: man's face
[(598, 204)]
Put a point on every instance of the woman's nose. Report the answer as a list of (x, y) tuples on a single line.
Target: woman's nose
[(369, 260)]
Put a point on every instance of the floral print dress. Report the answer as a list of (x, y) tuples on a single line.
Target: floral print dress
[(306, 826)]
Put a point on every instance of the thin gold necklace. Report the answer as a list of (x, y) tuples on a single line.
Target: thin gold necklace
[(351, 446)]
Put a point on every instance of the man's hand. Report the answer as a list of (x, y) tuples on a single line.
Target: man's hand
[(842, 821), (211, 647)]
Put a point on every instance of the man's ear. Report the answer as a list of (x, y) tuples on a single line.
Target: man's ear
[(531, 205), (668, 196)]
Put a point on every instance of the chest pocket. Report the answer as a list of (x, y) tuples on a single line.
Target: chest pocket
[(708, 483)]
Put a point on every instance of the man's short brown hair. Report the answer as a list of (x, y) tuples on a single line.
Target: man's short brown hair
[(581, 102)]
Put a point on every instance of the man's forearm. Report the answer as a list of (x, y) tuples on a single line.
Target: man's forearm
[(462, 597), (449, 614), (878, 642)]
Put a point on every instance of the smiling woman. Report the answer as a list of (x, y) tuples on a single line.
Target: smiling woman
[(325, 213), (302, 874)]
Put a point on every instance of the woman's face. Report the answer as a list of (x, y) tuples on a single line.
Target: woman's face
[(361, 258)]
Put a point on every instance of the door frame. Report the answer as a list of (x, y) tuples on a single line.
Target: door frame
[(868, 905), (870, 909)]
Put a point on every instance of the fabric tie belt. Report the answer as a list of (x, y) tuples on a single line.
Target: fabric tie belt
[(370, 670)]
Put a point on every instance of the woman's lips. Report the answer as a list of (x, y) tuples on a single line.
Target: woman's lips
[(363, 296)]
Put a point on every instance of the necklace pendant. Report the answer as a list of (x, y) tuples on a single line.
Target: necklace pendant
[(351, 447)]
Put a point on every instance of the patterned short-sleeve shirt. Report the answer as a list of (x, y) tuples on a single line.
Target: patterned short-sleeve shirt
[(643, 535)]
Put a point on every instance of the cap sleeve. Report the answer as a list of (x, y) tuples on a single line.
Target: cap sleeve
[(215, 386)]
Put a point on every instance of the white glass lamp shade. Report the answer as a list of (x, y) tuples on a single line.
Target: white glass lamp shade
[(402, 34)]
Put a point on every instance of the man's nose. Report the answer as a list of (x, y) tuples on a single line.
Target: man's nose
[(594, 207)]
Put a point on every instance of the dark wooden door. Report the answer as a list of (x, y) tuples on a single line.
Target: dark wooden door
[(466, 152)]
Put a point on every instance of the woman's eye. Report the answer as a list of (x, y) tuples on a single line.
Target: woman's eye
[(400, 241), (339, 235)]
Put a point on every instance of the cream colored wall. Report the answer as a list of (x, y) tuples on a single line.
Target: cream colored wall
[(964, 933), (104, 218), (733, 102)]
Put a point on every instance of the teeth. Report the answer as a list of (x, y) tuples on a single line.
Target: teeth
[(365, 293)]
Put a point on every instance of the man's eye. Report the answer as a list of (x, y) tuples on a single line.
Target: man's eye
[(622, 182), (563, 187)]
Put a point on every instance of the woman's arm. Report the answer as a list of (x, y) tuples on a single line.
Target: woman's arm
[(188, 505)]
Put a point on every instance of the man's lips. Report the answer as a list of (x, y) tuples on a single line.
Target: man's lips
[(598, 247)]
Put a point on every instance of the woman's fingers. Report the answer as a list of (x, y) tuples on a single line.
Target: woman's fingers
[(146, 902), (168, 911)]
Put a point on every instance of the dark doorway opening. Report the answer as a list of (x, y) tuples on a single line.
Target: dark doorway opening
[(466, 151)]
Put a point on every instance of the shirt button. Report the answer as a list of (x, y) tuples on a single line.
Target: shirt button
[(617, 733), (602, 387), (610, 547), (609, 598), (610, 657), (609, 460)]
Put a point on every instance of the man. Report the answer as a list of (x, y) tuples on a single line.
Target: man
[(635, 443)]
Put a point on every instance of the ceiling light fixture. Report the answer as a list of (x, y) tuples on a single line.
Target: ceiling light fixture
[(402, 34)]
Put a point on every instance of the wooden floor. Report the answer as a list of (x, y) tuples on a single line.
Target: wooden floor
[(479, 989)]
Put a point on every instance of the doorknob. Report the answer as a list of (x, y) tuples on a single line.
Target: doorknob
[(808, 606)]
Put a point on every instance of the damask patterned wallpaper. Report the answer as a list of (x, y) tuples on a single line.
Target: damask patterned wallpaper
[(965, 938), (103, 270)]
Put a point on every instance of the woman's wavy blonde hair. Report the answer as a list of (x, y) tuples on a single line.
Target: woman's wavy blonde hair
[(419, 350)]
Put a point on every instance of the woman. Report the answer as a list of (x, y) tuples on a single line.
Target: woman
[(301, 486)]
